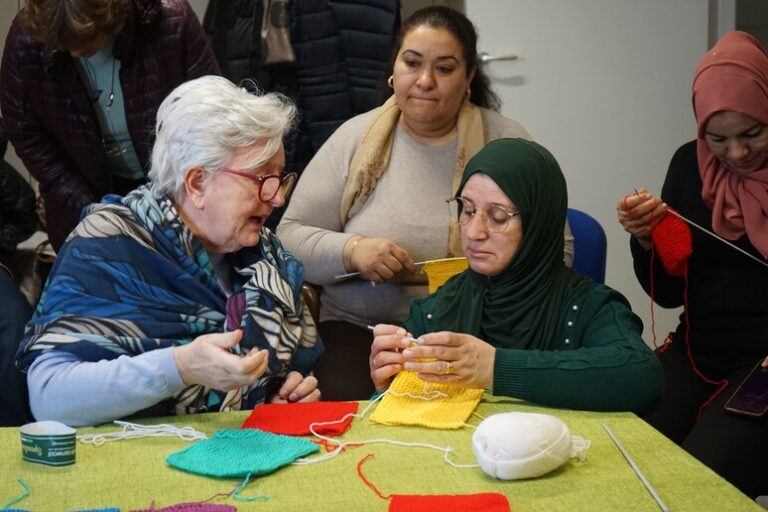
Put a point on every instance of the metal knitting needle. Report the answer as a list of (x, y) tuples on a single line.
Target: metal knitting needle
[(413, 340), (418, 264), (726, 242), (640, 475)]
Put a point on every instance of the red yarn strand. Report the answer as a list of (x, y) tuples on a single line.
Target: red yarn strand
[(653, 318), (672, 239), (368, 482), (722, 384)]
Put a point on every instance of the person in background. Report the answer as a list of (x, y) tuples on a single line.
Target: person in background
[(720, 182), (518, 322), (18, 220), (175, 298), (372, 199), (80, 83), (319, 53)]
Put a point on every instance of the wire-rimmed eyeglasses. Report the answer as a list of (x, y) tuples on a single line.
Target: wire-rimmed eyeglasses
[(495, 217), (270, 185)]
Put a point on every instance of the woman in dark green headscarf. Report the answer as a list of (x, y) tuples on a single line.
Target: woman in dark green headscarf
[(518, 321)]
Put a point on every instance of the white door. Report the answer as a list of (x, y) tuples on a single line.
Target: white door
[(604, 85)]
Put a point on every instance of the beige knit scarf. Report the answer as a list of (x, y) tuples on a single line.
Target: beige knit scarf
[(371, 159)]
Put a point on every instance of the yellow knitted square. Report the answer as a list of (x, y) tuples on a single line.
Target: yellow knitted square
[(439, 271), (451, 411)]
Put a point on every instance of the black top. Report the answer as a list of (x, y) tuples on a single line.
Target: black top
[(727, 291)]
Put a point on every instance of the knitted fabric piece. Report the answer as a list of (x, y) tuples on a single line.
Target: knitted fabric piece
[(191, 507), (441, 412), (484, 502), (439, 271), (294, 419), (672, 239), (238, 453)]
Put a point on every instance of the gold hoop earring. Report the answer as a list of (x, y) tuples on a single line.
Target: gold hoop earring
[(391, 81)]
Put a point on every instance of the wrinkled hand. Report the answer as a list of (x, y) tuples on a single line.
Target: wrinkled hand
[(639, 213), (208, 362), (386, 358), (459, 359), (379, 259), (297, 388)]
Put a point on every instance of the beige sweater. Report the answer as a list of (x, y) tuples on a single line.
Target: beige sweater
[(408, 207)]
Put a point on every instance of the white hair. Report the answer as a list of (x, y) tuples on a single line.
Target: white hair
[(204, 121)]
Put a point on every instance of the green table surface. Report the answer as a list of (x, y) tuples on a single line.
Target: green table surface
[(131, 474)]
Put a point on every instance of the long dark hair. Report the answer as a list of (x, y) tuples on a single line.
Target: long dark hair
[(459, 26)]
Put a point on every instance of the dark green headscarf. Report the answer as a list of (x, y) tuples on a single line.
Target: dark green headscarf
[(521, 306)]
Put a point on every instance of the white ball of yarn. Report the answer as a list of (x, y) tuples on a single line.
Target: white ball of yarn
[(516, 445)]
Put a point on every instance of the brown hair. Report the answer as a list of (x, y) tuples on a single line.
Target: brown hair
[(59, 24)]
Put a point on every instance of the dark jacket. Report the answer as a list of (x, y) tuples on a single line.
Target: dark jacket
[(342, 50), (51, 121), (18, 217), (726, 314)]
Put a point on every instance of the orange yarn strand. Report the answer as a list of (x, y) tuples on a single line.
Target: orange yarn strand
[(367, 482)]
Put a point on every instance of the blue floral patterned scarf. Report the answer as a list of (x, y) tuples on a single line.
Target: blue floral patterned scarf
[(132, 278)]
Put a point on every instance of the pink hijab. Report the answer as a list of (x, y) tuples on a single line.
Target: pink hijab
[(733, 75)]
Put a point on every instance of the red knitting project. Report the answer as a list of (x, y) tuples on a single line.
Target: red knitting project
[(672, 240), (294, 419), (483, 502)]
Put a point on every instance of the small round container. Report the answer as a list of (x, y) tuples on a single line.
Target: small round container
[(48, 442)]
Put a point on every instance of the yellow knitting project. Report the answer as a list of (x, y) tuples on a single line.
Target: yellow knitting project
[(439, 271), (446, 412)]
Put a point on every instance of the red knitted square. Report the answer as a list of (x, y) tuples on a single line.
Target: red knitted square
[(483, 502), (672, 239), (294, 419)]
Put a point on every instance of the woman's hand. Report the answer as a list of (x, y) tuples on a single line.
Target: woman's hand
[(377, 259), (386, 358), (459, 359), (297, 388), (639, 213), (207, 361)]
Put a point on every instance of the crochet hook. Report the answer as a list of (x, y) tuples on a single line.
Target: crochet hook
[(726, 242), (418, 264), (640, 475)]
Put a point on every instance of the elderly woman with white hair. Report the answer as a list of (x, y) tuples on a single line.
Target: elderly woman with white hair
[(176, 298)]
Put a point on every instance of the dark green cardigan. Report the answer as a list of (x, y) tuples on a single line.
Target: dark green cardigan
[(597, 361)]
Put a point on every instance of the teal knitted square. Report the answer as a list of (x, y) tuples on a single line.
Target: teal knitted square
[(238, 453)]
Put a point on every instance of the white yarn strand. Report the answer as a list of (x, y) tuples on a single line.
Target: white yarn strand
[(447, 450), (137, 431)]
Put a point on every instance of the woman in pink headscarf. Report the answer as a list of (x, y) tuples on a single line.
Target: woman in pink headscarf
[(720, 182)]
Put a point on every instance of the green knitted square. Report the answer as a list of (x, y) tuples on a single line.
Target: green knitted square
[(238, 453)]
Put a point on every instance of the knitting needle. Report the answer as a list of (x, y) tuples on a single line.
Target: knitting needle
[(726, 242), (418, 264), (413, 340), (640, 475)]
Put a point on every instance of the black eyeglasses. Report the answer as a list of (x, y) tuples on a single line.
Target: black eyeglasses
[(495, 217), (270, 185)]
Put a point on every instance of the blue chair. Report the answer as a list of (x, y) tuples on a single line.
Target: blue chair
[(589, 245)]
